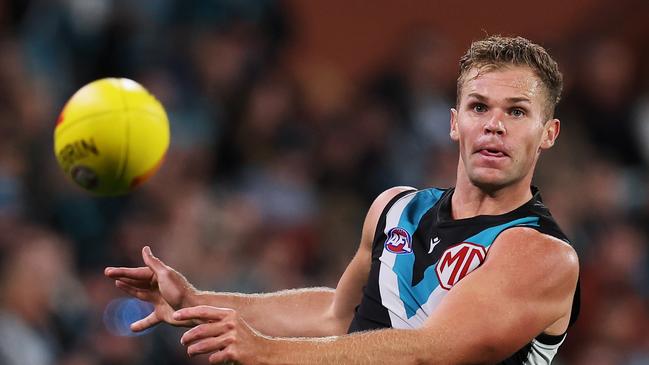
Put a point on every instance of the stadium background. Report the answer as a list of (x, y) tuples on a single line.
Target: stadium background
[(287, 118)]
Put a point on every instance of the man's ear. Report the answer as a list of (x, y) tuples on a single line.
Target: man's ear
[(550, 133), (455, 136)]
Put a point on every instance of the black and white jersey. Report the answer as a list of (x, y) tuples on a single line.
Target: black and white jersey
[(420, 252)]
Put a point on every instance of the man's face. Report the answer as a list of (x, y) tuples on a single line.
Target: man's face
[(500, 126)]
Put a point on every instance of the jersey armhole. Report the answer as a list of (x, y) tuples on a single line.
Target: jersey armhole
[(550, 340)]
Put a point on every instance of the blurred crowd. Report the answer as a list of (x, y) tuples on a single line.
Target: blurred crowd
[(270, 171)]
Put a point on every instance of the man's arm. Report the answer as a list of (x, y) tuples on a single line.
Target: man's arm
[(525, 287), (311, 312)]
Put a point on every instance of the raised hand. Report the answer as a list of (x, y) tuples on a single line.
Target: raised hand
[(158, 284), (223, 334)]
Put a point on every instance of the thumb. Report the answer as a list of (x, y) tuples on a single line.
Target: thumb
[(145, 323), (151, 261)]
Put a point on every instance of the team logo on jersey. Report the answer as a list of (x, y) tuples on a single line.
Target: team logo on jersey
[(457, 261), (399, 241)]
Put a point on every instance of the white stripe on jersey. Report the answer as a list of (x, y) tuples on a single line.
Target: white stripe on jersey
[(388, 280), (433, 301), (542, 354)]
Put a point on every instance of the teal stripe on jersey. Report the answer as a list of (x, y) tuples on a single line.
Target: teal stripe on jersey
[(403, 264), (487, 237)]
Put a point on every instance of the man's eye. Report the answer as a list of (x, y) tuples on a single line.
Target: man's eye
[(518, 113), (479, 108)]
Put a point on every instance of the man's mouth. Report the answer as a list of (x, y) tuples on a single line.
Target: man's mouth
[(491, 152)]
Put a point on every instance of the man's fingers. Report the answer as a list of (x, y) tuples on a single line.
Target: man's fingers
[(141, 294), (202, 312), (137, 273), (222, 358), (151, 261), (209, 344), (140, 284), (205, 330), (144, 323)]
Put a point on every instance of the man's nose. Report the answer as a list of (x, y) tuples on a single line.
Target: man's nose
[(494, 123)]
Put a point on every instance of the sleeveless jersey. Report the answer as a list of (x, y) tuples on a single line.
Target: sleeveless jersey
[(419, 252)]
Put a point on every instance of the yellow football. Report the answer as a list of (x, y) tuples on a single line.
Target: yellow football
[(111, 136)]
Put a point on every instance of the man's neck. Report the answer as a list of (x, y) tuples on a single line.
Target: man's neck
[(469, 200)]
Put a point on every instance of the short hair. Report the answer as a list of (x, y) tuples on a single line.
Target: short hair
[(497, 52)]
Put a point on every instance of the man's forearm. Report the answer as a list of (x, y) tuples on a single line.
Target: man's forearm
[(287, 313), (390, 346), (227, 336)]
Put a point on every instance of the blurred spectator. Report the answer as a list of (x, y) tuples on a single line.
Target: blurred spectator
[(420, 88), (605, 100), (36, 276)]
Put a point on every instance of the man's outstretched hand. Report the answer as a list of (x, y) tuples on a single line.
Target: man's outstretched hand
[(224, 335), (158, 284)]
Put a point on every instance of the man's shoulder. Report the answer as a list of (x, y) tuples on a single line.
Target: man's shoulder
[(536, 247), (407, 195), (383, 199)]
